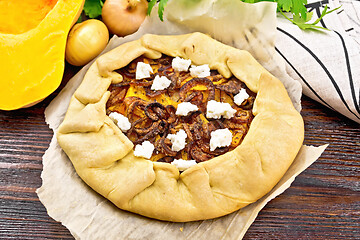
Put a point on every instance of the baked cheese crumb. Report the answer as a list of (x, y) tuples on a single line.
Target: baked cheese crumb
[(182, 165), (217, 110), (200, 71), (240, 97), (184, 108), (178, 140), (120, 120), (144, 150), (220, 138), (143, 70), (160, 83), (180, 64)]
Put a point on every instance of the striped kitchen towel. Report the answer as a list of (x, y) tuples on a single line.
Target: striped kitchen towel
[(327, 63)]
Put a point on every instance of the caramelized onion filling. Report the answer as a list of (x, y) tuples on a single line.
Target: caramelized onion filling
[(152, 114)]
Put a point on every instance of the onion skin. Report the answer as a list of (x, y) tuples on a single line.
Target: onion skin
[(124, 17), (85, 41)]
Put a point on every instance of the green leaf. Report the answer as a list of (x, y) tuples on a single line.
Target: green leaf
[(285, 5), (79, 19), (305, 26), (92, 8), (162, 5), (299, 7), (296, 7), (325, 12), (298, 19), (303, 23), (150, 6)]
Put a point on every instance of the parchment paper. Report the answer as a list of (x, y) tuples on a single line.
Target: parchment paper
[(90, 216)]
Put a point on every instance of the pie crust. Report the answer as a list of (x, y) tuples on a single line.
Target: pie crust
[(103, 156)]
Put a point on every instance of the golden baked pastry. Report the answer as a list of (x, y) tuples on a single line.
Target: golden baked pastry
[(103, 155)]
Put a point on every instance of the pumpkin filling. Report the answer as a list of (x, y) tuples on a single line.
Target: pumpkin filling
[(176, 113), (19, 16)]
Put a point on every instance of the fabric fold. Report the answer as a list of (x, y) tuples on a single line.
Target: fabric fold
[(326, 62)]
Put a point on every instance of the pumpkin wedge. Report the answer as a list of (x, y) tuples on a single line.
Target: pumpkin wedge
[(33, 36)]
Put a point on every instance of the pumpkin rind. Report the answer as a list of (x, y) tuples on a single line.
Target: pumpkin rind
[(32, 62)]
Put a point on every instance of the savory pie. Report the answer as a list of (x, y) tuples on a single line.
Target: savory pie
[(180, 128)]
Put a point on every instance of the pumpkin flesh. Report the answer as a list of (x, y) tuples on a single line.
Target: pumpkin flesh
[(33, 36), (19, 16)]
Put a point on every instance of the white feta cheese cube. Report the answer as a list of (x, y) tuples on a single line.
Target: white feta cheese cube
[(143, 70), (160, 83), (182, 165), (200, 71), (120, 120), (217, 110), (220, 138), (240, 97), (180, 64), (184, 108), (144, 150), (178, 140)]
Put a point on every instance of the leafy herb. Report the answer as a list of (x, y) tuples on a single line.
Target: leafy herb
[(297, 8), (303, 24), (151, 5), (92, 8), (300, 15), (162, 4)]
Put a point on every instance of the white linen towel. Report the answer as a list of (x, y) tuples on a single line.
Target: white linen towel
[(327, 63)]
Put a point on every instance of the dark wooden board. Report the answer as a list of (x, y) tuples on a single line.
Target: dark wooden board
[(322, 203)]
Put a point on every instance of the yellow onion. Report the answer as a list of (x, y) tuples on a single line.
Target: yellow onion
[(124, 17), (85, 41)]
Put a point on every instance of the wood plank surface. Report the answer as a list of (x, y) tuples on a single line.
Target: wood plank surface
[(322, 203)]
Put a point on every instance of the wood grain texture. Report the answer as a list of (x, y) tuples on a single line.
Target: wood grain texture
[(322, 203)]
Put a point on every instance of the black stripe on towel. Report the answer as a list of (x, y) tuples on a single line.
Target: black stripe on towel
[(323, 67), (351, 82), (303, 79), (317, 4), (342, 10)]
